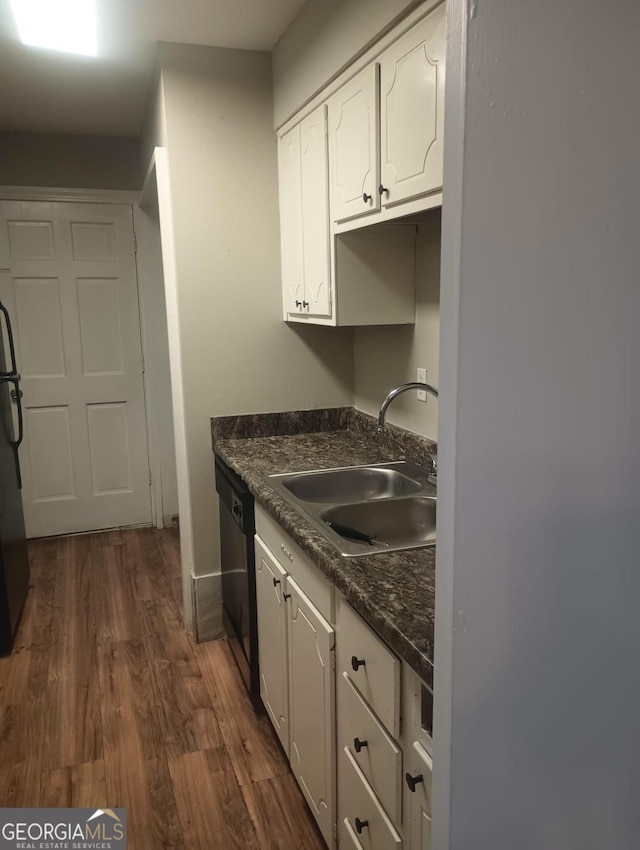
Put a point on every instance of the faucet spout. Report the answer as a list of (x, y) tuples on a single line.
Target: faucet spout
[(412, 385)]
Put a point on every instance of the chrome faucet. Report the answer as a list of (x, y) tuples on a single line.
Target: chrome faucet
[(412, 385)]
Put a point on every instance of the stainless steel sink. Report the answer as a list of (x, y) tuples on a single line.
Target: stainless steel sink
[(392, 524), (365, 509), (351, 484)]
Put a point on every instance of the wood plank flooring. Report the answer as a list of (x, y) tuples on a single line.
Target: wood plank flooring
[(106, 702)]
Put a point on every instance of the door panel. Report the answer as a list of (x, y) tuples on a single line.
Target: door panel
[(290, 181), (37, 318), (72, 291), (412, 111), (353, 146), (315, 213), (272, 640), (312, 707)]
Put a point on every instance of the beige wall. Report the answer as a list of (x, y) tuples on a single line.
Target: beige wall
[(387, 356), (323, 39), (154, 122), (238, 355), (69, 162)]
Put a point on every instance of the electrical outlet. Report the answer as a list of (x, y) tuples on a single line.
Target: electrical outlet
[(422, 377)]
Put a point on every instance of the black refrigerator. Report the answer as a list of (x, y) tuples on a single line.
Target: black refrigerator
[(14, 561)]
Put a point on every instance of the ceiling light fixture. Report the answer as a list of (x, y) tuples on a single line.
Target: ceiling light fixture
[(65, 25)]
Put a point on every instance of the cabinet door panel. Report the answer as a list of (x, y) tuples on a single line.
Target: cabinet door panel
[(315, 213), (272, 640), (353, 146), (420, 803), (312, 707), (290, 181), (412, 111)]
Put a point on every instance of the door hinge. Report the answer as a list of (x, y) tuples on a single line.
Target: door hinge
[(335, 831), (135, 242), (150, 481), (333, 659)]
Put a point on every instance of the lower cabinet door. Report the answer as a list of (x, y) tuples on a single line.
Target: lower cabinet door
[(272, 639), (418, 786), (312, 707), (360, 812)]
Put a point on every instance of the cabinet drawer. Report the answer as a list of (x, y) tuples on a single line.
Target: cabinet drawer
[(359, 809), (308, 577), (378, 678), (379, 758)]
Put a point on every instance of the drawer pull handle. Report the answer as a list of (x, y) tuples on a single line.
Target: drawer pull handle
[(360, 825), (359, 745), (286, 596), (276, 581), (412, 781), (356, 662)]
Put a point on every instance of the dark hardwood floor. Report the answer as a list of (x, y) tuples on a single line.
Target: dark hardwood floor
[(106, 702)]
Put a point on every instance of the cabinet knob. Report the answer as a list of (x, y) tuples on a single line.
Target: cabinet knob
[(298, 303), (412, 781), (383, 189), (360, 825), (359, 745), (276, 581), (356, 663), (305, 304), (366, 198), (286, 596)]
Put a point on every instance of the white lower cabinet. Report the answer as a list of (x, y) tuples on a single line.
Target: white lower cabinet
[(272, 646), (297, 675), (312, 706), (353, 743), (419, 789)]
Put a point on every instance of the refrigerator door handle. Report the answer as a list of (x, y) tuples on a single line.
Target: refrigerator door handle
[(13, 377)]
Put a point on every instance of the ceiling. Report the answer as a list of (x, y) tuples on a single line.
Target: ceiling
[(45, 91)]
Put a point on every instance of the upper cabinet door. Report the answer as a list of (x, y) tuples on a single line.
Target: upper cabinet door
[(353, 146), (291, 221), (412, 111), (315, 213)]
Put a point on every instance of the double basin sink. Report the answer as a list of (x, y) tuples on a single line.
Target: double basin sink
[(362, 510)]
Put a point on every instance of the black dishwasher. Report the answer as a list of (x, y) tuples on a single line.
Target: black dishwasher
[(238, 566)]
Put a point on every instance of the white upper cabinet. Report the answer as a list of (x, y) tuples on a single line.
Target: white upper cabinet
[(315, 214), (290, 179), (412, 111), (353, 146), (304, 218)]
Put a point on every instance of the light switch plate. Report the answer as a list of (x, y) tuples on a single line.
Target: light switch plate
[(422, 377)]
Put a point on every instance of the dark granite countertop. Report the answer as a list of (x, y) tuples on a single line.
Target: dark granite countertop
[(394, 592)]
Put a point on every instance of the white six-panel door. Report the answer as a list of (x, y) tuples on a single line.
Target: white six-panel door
[(71, 290)]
